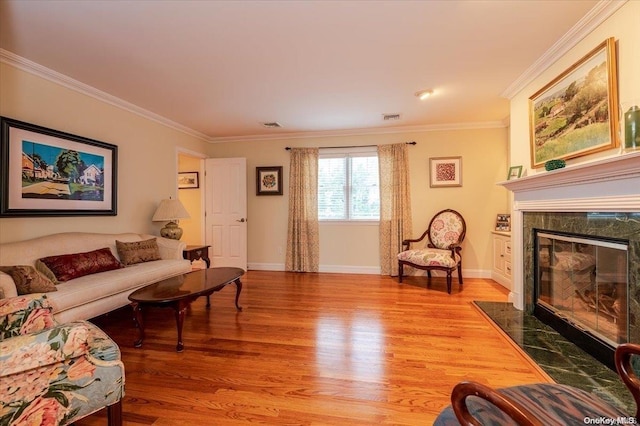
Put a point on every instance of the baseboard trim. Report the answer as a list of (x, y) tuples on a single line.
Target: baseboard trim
[(366, 270)]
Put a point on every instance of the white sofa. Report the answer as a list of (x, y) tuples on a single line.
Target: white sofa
[(96, 294)]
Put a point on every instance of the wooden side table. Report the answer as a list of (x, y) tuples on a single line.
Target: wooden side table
[(192, 253)]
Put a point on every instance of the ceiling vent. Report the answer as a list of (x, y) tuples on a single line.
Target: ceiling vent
[(390, 117), (272, 125)]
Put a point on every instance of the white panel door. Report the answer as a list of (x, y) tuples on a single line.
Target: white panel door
[(226, 211)]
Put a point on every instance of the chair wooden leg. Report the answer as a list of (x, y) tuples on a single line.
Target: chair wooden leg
[(449, 282), (114, 414), (460, 273), (400, 272)]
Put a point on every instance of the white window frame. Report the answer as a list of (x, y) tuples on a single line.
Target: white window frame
[(368, 151)]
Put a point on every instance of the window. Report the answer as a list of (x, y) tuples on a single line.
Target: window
[(348, 184)]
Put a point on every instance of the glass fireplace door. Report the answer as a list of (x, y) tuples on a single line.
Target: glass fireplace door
[(584, 280)]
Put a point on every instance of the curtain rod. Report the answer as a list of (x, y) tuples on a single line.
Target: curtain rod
[(352, 146)]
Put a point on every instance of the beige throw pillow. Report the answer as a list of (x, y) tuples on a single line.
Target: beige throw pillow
[(28, 280), (44, 270), (138, 251)]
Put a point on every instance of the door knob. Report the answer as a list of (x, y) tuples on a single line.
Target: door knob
[(241, 220)]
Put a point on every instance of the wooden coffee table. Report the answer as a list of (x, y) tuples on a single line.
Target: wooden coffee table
[(178, 293)]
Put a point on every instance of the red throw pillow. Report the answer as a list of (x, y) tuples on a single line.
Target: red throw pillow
[(69, 266)]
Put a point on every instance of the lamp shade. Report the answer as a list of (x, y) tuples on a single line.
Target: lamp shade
[(170, 210)]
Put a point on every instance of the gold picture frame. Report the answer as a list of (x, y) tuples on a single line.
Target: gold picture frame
[(445, 172), (577, 113)]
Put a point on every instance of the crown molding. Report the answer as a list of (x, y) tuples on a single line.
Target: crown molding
[(31, 67), (596, 16), (366, 131)]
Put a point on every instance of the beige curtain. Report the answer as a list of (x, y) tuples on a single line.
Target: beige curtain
[(395, 204), (302, 236)]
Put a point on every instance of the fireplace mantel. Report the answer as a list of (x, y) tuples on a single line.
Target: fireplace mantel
[(607, 185), (615, 168)]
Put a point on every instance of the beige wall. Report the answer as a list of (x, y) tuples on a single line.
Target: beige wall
[(624, 26), (145, 147), (354, 248), (146, 153)]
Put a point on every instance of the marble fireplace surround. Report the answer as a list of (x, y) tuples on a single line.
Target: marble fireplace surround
[(609, 185)]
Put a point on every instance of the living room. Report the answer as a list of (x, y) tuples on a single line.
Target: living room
[(150, 148)]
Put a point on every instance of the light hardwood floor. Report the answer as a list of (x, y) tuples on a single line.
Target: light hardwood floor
[(315, 349)]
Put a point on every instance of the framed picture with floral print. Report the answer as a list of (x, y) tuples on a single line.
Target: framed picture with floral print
[(445, 172), (269, 180)]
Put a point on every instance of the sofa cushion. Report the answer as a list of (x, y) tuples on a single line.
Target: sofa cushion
[(138, 251), (28, 280), (44, 270), (92, 289), (69, 266)]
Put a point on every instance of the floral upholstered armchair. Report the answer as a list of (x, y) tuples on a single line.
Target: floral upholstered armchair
[(54, 374), (445, 233)]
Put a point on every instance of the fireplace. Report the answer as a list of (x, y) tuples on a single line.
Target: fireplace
[(596, 200), (581, 288)]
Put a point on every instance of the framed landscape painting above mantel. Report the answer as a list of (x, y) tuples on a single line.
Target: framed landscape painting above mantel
[(577, 113), (47, 172)]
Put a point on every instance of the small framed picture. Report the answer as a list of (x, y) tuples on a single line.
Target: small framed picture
[(269, 180), (188, 180), (503, 222), (445, 171), (515, 172)]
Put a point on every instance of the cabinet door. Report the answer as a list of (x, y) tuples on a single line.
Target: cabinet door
[(498, 254), (507, 258)]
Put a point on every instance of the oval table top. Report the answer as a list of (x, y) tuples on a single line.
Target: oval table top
[(191, 284)]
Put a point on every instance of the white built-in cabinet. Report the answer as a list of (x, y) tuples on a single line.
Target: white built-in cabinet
[(501, 271)]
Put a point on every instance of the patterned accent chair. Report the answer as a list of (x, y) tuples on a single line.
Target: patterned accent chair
[(55, 374), (542, 404), (446, 232)]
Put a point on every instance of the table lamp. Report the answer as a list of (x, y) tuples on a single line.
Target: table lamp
[(170, 210)]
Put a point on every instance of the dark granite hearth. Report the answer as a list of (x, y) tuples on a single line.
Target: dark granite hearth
[(559, 358)]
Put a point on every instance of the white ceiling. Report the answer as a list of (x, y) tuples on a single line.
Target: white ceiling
[(221, 68)]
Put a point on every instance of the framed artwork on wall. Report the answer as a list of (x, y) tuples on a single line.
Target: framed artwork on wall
[(188, 180), (47, 172), (269, 180), (577, 113), (445, 172)]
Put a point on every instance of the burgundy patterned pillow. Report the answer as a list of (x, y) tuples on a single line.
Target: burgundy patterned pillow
[(69, 266)]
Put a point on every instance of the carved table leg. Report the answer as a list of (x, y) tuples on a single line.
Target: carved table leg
[(137, 316), (180, 309), (238, 290)]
